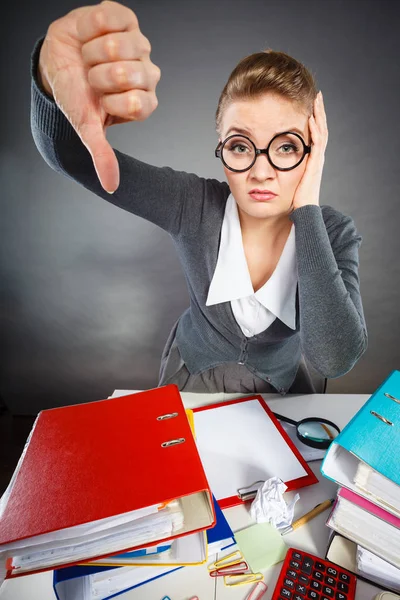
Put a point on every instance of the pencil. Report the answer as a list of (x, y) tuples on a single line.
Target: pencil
[(319, 508)]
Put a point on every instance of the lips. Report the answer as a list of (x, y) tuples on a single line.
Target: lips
[(266, 192), (262, 195)]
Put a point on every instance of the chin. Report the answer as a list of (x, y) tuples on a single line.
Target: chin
[(260, 210)]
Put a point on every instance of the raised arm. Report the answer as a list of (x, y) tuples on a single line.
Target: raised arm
[(91, 71)]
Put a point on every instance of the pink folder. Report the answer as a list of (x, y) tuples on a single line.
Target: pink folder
[(369, 507)]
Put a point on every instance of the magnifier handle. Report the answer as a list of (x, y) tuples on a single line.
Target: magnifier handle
[(312, 513)]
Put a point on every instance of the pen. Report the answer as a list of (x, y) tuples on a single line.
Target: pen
[(319, 508)]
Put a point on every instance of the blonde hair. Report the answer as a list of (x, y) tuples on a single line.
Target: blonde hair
[(268, 72)]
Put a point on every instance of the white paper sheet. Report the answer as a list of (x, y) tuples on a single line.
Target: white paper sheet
[(308, 453), (239, 444)]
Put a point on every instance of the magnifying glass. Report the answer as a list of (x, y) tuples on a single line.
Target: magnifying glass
[(313, 431)]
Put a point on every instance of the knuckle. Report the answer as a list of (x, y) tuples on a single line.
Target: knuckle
[(154, 101), (120, 75), (144, 45), (157, 73), (98, 15), (133, 18), (53, 27), (134, 105), (111, 47)]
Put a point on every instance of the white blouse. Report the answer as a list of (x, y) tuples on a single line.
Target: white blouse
[(253, 311)]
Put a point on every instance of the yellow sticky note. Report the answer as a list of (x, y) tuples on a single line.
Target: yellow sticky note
[(261, 545)]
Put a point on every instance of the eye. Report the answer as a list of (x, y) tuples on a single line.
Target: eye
[(289, 148), (238, 148)]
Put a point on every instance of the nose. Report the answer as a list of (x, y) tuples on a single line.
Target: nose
[(262, 168)]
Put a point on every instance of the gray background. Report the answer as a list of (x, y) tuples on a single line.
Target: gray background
[(88, 292)]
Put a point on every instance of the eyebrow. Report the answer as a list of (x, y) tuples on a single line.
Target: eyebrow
[(248, 132)]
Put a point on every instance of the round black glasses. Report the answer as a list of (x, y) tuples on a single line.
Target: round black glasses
[(284, 152)]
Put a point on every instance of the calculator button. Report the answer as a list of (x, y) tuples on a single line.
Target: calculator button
[(289, 583), (307, 565), (343, 587), (285, 593), (313, 594), (331, 571), (294, 564), (291, 573), (296, 556), (328, 591), (318, 575), (320, 566), (340, 596), (298, 597), (304, 579), (315, 585), (344, 577), (325, 598), (301, 589), (330, 581)]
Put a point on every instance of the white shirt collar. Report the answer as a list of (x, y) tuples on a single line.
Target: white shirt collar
[(231, 279)]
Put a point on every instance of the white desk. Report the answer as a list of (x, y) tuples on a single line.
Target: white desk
[(195, 581)]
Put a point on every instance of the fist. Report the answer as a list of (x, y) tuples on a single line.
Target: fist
[(95, 63)]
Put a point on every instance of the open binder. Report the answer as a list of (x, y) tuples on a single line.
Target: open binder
[(188, 550), (364, 457), (103, 477)]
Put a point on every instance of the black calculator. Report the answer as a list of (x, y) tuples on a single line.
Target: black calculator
[(307, 577)]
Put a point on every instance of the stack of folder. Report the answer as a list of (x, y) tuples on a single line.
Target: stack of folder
[(106, 578), (115, 493), (364, 461), (103, 478)]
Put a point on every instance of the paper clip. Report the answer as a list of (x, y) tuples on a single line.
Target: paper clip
[(243, 579), (251, 492), (258, 591), (230, 559), (240, 567)]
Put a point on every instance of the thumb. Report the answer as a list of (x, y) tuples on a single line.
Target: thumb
[(103, 156)]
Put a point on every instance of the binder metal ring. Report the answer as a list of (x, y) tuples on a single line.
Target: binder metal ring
[(167, 416), (381, 418), (392, 398), (173, 442)]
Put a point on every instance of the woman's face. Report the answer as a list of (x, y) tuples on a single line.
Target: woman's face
[(260, 119)]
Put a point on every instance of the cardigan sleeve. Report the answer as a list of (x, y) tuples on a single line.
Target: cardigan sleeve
[(332, 324), (173, 200)]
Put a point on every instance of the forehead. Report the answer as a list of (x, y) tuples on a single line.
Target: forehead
[(264, 116)]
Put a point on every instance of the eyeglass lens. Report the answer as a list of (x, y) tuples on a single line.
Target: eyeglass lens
[(286, 151)]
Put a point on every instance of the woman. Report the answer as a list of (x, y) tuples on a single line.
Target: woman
[(272, 276)]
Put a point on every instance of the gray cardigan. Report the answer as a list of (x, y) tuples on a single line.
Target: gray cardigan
[(330, 326)]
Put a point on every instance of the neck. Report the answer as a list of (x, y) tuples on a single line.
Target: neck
[(269, 228)]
